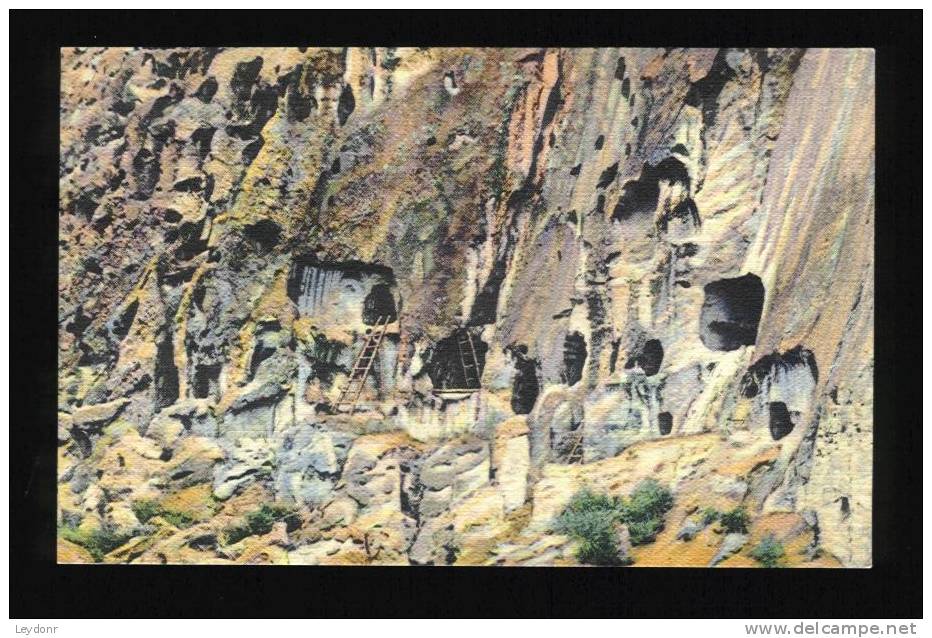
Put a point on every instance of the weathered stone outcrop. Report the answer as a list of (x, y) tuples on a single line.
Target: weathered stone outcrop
[(662, 260)]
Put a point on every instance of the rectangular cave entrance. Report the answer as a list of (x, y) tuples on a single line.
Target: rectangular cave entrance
[(206, 381), (574, 358), (455, 363), (350, 294)]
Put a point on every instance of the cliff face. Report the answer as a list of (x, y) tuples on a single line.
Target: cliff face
[(662, 258)]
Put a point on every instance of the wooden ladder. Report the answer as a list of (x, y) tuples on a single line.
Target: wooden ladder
[(363, 364), (468, 359), (576, 444)]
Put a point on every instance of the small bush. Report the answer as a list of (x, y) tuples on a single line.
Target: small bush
[(768, 552), (590, 518), (709, 515), (644, 510), (643, 532), (178, 519), (260, 521), (98, 543), (145, 509), (736, 521)]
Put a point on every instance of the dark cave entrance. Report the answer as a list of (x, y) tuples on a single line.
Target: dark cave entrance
[(450, 362), (641, 196), (263, 236), (206, 381), (574, 358), (526, 385), (321, 288), (731, 312), (166, 374), (756, 375), (379, 306), (781, 422), (665, 423), (648, 357)]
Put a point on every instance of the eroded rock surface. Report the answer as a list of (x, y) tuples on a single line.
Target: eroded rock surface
[(661, 259)]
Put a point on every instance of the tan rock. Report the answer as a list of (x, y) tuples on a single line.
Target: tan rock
[(70, 553)]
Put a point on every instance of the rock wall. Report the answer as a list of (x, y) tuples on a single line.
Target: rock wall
[(656, 253)]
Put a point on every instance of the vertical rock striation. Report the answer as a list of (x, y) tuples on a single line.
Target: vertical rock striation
[(662, 259)]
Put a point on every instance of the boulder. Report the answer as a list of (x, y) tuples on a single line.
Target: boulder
[(250, 460), (95, 417), (732, 544)]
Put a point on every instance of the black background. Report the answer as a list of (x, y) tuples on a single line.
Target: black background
[(41, 589)]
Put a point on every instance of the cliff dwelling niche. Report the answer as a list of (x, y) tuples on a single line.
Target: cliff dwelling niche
[(450, 362), (526, 385), (349, 293), (574, 358), (166, 373), (642, 195), (781, 422), (648, 357), (782, 387), (206, 381), (665, 423), (731, 312), (780, 368), (379, 305)]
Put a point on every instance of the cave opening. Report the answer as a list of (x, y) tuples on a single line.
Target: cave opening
[(379, 306), (333, 291), (166, 374), (451, 364), (685, 212), (574, 358), (731, 312), (781, 421), (641, 196), (346, 104), (264, 235), (773, 364), (206, 381), (526, 385), (648, 357), (665, 423)]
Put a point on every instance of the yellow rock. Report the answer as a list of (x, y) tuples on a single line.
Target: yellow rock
[(70, 553), (195, 501)]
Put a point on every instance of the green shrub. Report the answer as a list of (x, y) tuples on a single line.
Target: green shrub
[(178, 519), (235, 534), (643, 532), (736, 521), (99, 542), (644, 510), (768, 552), (709, 515), (260, 521), (590, 518), (145, 509)]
